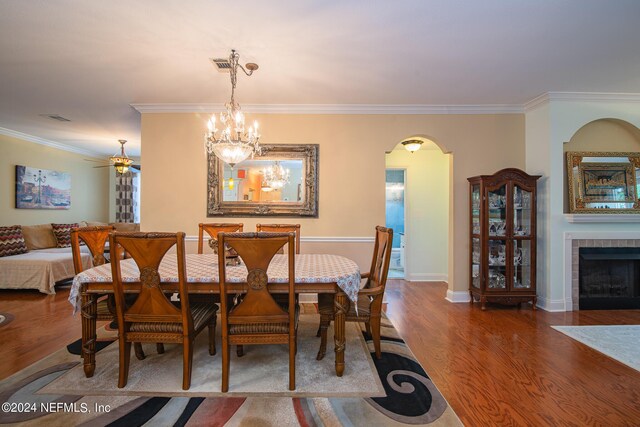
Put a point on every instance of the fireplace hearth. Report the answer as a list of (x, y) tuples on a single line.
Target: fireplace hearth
[(609, 278)]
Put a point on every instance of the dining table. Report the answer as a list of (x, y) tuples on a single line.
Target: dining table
[(314, 273)]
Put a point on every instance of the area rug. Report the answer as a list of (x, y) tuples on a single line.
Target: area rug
[(44, 393), (619, 342), (263, 369)]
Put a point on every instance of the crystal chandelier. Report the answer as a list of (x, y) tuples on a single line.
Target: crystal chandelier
[(231, 143), (121, 162), (275, 176)]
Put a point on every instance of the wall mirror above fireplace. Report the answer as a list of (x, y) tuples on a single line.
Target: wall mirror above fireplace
[(603, 182), (281, 181)]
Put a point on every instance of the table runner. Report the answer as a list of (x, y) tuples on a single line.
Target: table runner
[(203, 268)]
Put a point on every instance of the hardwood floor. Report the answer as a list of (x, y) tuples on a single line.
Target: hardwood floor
[(504, 366)]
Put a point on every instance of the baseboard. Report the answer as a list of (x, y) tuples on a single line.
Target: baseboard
[(457, 296), (552, 305), (426, 277)]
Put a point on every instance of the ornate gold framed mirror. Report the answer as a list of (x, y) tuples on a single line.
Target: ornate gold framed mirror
[(282, 181), (603, 182)]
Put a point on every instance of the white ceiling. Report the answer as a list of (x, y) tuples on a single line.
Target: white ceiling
[(89, 60)]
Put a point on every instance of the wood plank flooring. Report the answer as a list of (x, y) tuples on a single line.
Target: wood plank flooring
[(504, 366)]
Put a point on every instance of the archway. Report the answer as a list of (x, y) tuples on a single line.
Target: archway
[(420, 181)]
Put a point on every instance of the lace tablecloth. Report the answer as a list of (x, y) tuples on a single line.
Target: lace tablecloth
[(203, 268)]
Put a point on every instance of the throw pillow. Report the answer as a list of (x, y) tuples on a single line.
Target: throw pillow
[(12, 241), (63, 234)]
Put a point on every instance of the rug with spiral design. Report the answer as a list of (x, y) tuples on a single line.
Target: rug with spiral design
[(409, 398)]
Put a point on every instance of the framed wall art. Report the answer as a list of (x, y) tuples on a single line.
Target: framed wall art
[(603, 182), (42, 188)]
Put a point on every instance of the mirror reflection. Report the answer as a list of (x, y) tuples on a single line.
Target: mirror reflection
[(264, 180), (603, 182)]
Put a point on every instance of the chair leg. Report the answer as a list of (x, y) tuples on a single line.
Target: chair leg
[(367, 327), (225, 366), (187, 362), (375, 329), (324, 325), (292, 364), (319, 328), (137, 347), (125, 357), (160, 348), (240, 351), (212, 336)]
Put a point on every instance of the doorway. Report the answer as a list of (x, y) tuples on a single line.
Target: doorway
[(395, 219)]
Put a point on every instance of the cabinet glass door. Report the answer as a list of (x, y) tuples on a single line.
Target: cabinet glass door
[(498, 211), (475, 209), (521, 211), (475, 263), (522, 264), (497, 277)]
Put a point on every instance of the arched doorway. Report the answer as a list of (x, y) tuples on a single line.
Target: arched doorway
[(417, 208)]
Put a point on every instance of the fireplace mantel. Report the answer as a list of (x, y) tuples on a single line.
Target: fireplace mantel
[(602, 218)]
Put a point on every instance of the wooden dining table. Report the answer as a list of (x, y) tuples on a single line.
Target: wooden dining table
[(314, 273)]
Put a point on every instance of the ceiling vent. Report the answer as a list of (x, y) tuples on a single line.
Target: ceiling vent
[(57, 117), (222, 65)]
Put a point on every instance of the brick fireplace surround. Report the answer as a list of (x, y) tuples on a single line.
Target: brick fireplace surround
[(585, 239)]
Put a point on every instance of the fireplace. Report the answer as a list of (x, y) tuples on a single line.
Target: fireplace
[(609, 278)]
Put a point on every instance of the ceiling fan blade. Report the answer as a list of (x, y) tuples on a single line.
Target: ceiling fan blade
[(139, 167), (93, 160), (103, 166)]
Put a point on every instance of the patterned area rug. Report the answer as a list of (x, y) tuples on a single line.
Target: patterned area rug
[(620, 342), (409, 398)]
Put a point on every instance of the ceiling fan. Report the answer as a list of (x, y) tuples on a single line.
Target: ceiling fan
[(119, 161)]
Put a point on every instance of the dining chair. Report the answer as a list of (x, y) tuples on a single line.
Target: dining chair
[(213, 229), (369, 303), (153, 317), (95, 239), (257, 318), (282, 228)]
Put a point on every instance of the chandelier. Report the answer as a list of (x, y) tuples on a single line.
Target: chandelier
[(275, 177), (121, 162), (232, 144)]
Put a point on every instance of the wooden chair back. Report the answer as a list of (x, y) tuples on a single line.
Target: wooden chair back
[(95, 239), (282, 228), (152, 305), (381, 258), (380, 267), (256, 251), (213, 229)]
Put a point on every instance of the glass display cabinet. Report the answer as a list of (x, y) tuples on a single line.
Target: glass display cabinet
[(503, 237)]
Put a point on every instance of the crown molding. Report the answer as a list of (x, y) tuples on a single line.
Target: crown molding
[(548, 97), (48, 143), (335, 108)]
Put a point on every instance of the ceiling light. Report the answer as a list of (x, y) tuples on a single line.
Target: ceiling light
[(121, 162), (412, 145), (232, 144)]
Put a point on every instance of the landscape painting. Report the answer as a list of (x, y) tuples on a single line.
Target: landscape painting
[(42, 188)]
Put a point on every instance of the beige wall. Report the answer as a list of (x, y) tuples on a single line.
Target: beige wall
[(352, 165), (426, 211), (89, 186)]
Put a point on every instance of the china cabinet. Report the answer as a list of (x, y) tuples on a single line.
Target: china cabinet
[(503, 237)]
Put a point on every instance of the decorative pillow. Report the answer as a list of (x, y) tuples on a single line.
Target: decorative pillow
[(63, 234), (12, 241), (39, 236)]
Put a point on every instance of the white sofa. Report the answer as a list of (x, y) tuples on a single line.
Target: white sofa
[(44, 264)]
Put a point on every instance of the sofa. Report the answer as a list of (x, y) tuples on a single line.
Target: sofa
[(44, 264)]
